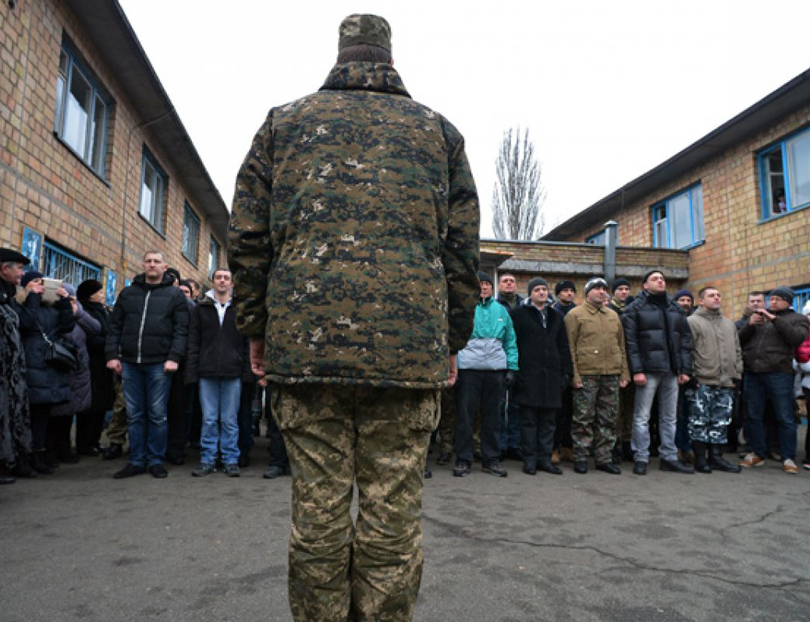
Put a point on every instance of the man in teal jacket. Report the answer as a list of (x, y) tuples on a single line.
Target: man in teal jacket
[(486, 365)]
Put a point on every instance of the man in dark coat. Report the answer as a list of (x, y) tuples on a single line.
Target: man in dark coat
[(146, 342), (659, 354), (565, 291), (545, 368), (15, 423)]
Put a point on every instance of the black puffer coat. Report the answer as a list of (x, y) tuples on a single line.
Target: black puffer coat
[(214, 350), (650, 347), (46, 384), (149, 323), (80, 383), (543, 355), (101, 378)]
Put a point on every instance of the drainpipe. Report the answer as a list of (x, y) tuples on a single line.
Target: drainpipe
[(611, 241)]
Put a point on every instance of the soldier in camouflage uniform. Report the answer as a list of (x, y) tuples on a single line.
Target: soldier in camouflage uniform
[(596, 339), (354, 246)]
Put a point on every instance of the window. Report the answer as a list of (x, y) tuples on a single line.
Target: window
[(213, 257), (153, 192), (801, 298), (678, 221), (81, 112), (598, 239), (785, 175), (59, 264), (191, 234)]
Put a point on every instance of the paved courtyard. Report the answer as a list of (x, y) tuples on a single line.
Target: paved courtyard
[(81, 546)]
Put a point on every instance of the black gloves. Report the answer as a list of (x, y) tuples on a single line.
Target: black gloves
[(509, 380)]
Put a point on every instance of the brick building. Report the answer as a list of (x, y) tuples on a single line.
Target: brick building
[(95, 165), (734, 200)]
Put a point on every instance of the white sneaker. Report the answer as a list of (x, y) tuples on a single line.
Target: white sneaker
[(788, 466)]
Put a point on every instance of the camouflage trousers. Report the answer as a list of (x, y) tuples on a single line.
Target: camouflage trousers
[(447, 423), (596, 405), (710, 410), (337, 436)]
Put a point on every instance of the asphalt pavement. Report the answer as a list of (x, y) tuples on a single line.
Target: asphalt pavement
[(79, 545)]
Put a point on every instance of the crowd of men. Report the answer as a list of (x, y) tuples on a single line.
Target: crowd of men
[(623, 378), (159, 362)]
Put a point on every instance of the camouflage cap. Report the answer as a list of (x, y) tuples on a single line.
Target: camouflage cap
[(364, 29)]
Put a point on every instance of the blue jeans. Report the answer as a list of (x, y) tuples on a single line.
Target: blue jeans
[(666, 385), (778, 388), (219, 398), (146, 393)]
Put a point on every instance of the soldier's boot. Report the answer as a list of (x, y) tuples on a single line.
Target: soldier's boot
[(717, 461), (701, 465)]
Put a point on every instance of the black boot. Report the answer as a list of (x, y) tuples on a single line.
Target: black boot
[(23, 466), (39, 464), (701, 466), (717, 462)]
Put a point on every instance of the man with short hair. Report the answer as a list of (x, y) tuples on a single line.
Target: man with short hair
[(768, 341), (15, 422), (510, 436), (659, 355), (354, 247), (545, 368), (486, 365), (563, 443), (218, 359), (596, 339), (624, 421), (145, 344), (717, 368)]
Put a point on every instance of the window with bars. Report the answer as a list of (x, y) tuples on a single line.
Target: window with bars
[(60, 264)]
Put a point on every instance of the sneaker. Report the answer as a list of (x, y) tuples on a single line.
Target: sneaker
[(158, 471), (444, 458), (462, 469), (806, 464), (129, 471), (752, 460), (205, 469), (495, 469), (788, 466)]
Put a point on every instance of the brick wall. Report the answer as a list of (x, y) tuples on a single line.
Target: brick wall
[(44, 186)]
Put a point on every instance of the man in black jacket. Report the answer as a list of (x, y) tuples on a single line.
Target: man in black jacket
[(659, 354), (145, 343), (219, 358)]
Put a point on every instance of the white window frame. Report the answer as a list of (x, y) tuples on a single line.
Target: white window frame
[(152, 200)]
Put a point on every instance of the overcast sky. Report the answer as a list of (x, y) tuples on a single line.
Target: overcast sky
[(607, 89)]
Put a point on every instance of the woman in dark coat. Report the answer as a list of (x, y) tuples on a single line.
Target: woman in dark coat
[(47, 385), (80, 394), (90, 421), (545, 366)]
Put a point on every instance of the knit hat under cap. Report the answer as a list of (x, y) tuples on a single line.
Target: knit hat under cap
[(538, 280), (785, 293), (364, 29)]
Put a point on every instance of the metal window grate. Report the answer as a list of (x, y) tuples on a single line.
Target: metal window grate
[(802, 296), (59, 264)]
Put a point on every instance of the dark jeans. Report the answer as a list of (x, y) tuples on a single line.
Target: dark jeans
[(40, 413), (510, 422), (58, 436), (246, 417), (536, 434), (89, 425), (682, 441), (562, 433), (277, 449), (193, 415), (778, 388), (177, 417), (476, 387)]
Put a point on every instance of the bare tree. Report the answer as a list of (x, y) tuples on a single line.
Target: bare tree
[(518, 196)]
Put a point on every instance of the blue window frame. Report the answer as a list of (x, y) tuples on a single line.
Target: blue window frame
[(678, 220), (191, 234), (784, 171), (801, 298), (153, 192), (82, 111), (213, 257), (60, 264)]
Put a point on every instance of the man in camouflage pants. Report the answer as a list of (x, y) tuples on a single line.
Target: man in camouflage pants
[(596, 340), (354, 246)]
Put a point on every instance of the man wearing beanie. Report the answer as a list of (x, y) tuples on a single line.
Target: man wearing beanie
[(486, 365), (659, 354), (353, 245), (545, 369), (768, 340), (619, 300), (564, 291), (684, 299), (510, 418), (596, 340)]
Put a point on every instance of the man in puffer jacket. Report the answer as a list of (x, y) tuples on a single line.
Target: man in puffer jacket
[(659, 346), (486, 365)]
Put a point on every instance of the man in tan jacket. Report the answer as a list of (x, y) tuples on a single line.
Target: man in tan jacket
[(717, 366), (596, 339)]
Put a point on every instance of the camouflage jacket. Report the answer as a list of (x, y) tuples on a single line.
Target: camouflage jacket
[(354, 236)]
